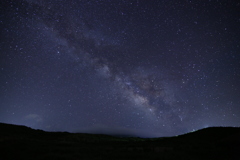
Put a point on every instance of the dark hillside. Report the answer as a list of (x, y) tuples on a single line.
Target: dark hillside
[(212, 134), (20, 142)]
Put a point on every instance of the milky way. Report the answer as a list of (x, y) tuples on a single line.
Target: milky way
[(158, 68)]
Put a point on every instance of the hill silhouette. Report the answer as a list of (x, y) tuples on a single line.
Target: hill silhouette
[(21, 142)]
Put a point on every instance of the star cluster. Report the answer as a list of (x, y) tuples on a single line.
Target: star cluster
[(144, 68)]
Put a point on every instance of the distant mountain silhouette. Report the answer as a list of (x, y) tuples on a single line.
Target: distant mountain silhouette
[(215, 134), (21, 142)]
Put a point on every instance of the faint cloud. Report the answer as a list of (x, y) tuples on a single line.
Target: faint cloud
[(116, 131), (34, 117)]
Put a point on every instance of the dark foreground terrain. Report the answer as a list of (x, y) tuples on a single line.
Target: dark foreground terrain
[(20, 142)]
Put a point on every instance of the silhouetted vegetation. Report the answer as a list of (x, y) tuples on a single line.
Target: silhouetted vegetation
[(20, 142)]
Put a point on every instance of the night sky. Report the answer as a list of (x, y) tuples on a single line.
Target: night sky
[(137, 67)]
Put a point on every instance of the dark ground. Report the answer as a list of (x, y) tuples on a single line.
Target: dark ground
[(20, 142)]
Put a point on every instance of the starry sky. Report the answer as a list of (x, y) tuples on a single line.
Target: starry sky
[(136, 67)]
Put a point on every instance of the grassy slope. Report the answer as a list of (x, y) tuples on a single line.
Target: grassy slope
[(20, 142)]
